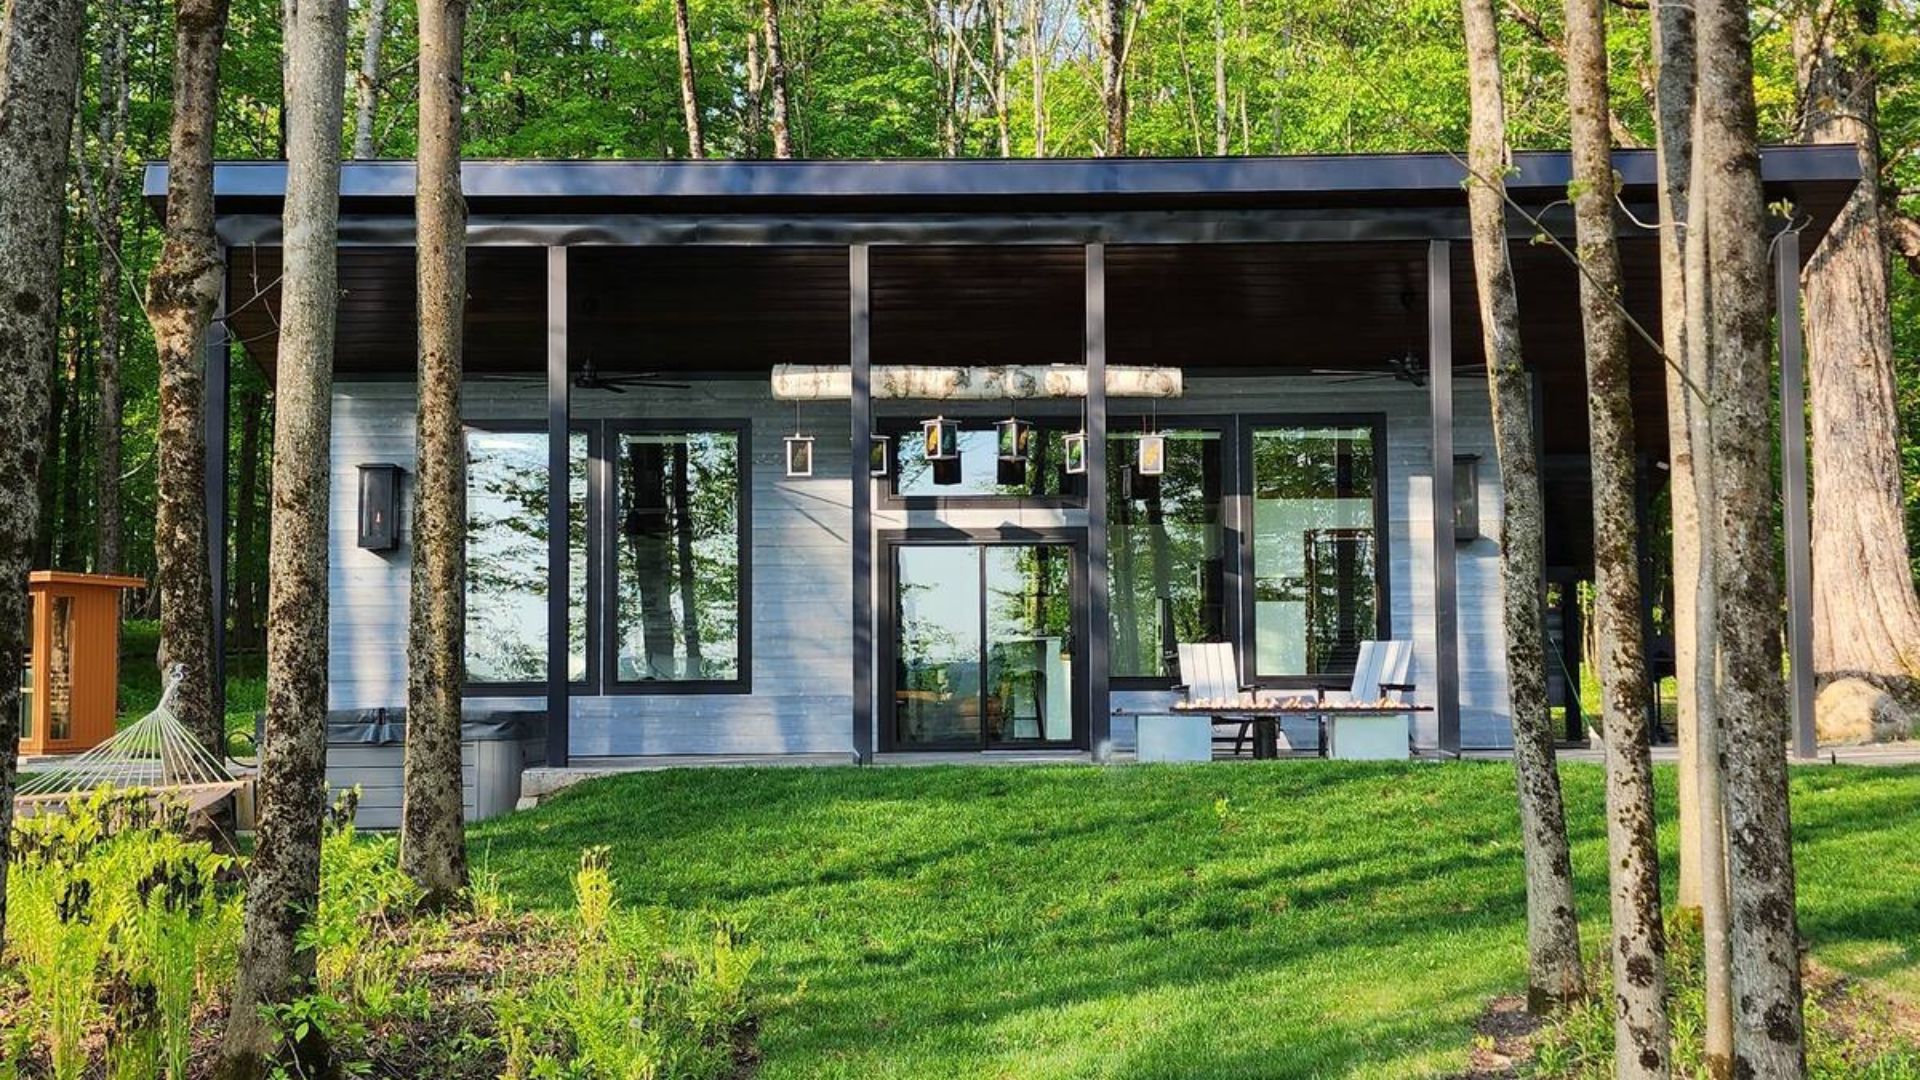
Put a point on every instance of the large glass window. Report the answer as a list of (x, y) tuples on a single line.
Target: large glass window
[(507, 557), (676, 614), (978, 471), (1164, 562), (1316, 551)]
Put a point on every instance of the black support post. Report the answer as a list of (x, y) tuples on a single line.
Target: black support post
[(559, 589), (1446, 628), (1099, 704), (1793, 482), (860, 353), (215, 354)]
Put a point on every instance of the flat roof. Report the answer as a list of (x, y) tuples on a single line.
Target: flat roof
[(1817, 177)]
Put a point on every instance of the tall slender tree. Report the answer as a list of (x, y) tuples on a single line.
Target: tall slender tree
[(39, 72), (109, 531), (1553, 929), (779, 105), (432, 831), (182, 294), (366, 84), (1769, 1016), (1642, 1033), (689, 93), (1866, 614), (1113, 74), (284, 876)]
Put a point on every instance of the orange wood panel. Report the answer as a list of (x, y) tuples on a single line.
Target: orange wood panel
[(75, 659)]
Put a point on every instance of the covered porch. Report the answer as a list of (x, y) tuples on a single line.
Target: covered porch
[(1318, 306)]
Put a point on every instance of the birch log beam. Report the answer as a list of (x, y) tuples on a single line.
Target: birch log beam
[(804, 382)]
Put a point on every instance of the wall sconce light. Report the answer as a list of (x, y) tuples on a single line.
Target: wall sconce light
[(880, 457), (380, 507), (940, 439), (799, 456), (1075, 447), (1466, 497)]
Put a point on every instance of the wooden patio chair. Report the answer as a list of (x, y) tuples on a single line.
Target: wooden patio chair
[(1379, 675), (1208, 672)]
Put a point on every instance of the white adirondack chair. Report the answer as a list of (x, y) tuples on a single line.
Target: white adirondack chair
[(1210, 673), (1379, 675)]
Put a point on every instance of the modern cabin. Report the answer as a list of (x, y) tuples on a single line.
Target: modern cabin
[(669, 558)]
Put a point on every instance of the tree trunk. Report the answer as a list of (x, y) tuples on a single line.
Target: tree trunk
[(39, 72), (1554, 976), (366, 85), (689, 97), (1002, 122), (284, 879), (1037, 59), (109, 530), (1683, 245), (432, 828), (182, 293), (246, 523), (1642, 1035), (755, 91), (1219, 80), (73, 438), (1866, 615), (1769, 1021), (683, 544), (776, 80), (1113, 74)]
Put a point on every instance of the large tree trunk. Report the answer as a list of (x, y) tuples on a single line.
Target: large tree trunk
[(182, 293), (1553, 929), (1642, 1039), (1866, 615), (776, 80), (1683, 245), (432, 829), (1113, 74), (284, 877), (366, 85), (1769, 1020), (39, 68), (689, 97), (109, 556)]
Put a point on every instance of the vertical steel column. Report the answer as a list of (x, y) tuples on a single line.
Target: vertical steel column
[(1446, 628), (1099, 703), (218, 369), (1793, 480), (559, 494), (860, 352)]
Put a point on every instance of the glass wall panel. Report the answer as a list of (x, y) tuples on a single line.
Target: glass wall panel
[(507, 556), (1029, 643), (1165, 564), (979, 470), (676, 614), (1315, 548), (937, 646)]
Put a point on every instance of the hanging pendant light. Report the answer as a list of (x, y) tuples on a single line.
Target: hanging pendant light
[(1014, 437), (799, 450), (1150, 454), (1075, 448), (940, 439)]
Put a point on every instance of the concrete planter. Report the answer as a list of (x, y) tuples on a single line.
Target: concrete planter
[(1174, 737)]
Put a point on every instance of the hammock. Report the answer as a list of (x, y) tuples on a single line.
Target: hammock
[(155, 753)]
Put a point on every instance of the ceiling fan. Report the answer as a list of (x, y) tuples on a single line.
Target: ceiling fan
[(588, 378)]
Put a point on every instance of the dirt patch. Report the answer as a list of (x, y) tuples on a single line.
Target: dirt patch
[(1502, 1040)]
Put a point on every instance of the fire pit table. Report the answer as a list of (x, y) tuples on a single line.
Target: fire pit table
[(1265, 717)]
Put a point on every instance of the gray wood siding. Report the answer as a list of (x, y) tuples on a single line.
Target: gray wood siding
[(801, 698)]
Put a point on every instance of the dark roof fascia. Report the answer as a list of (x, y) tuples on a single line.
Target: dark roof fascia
[(908, 185)]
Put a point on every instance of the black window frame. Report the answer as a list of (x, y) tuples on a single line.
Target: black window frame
[(1376, 422), (606, 502), (590, 683)]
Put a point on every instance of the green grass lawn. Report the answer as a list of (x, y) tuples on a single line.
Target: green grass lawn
[(1250, 920)]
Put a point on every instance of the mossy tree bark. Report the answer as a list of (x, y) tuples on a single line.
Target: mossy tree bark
[(182, 293), (284, 876), (432, 829), (1769, 1017), (1554, 976), (1642, 1033), (39, 71)]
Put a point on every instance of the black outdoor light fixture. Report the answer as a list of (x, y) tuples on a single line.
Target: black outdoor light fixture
[(1014, 437), (1466, 497), (940, 439), (380, 506), (799, 456)]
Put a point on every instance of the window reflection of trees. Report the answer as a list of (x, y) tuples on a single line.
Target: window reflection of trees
[(1316, 572), (507, 556), (677, 606), (1165, 568)]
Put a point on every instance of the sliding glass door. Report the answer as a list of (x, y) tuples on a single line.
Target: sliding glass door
[(981, 645)]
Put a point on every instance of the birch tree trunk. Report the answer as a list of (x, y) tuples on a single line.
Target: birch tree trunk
[(1553, 929), (1219, 80), (1769, 1019), (689, 97), (1002, 122), (1642, 1034), (366, 85), (432, 829), (109, 554), (39, 73), (1866, 615), (755, 92), (1113, 74), (182, 293), (776, 81), (284, 877)]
